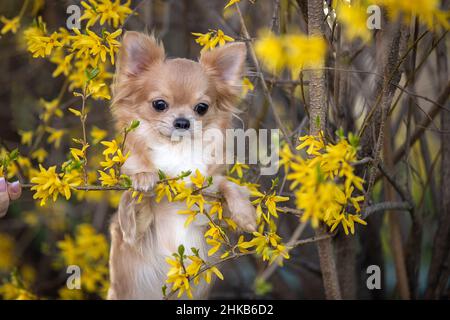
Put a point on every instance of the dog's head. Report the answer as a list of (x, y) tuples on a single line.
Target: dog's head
[(169, 95)]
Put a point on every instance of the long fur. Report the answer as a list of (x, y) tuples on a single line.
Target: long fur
[(144, 234)]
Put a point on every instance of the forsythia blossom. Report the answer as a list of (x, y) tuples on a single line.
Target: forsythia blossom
[(211, 39), (50, 184), (325, 182), (291, 51)]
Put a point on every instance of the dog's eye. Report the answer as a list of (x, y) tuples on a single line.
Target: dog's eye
[(201, 108), (160, 105)]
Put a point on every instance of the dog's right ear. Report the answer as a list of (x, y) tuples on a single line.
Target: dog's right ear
[(138, 52)]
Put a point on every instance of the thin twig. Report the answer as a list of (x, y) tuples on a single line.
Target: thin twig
[(263, 81)]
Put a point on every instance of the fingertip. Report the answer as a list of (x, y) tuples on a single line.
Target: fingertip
[(2, 184), (14, 190), (4, 203)]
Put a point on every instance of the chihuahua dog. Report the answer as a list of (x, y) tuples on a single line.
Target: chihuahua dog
[(168, 96)]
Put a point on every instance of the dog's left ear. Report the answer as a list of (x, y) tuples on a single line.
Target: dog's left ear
[(226, 62)]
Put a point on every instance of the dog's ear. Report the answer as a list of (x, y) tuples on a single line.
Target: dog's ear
[(226, 62), (138, 52), (127, 217)]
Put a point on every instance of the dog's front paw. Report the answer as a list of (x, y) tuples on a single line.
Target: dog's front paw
[(144, 181), (242, 211)]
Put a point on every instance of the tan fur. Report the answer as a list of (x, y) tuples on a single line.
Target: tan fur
[(144, 234)]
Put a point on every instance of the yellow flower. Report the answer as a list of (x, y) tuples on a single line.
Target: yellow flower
[(215, 244), (313, 143), (161, 190), (303, 51), (49, 184), (271, 203), (55, 136), (203, 39), (112, 147), (198, 180), (114, 13), (354, 18), (16, 289), (79, 154), (90, 13), (210, 271), (113, 44), (26, 137), (7, 258), (108, 180), (119, 158), (238, 168), (42, 46), (63, 63), (267, 245), (40, 154), (51, 108), (428, 12), (247, 86), (211, 39), (90, 44), (96, 90), (98, 134), (291, 51), (178, 278), (196, 199), (70, 294), (231, 2), (89, 250), (108, 163), (323, 183), (216, 207), (10, 24), (269, 49), (138, 196), (195, 266), (191, 216), (242, 245), (221, 38)]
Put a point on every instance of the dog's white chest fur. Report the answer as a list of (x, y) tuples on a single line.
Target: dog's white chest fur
[(168, 229), (172, 159)]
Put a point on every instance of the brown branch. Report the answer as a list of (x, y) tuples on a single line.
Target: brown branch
[(421, 127), (317, 123), (384, 206)]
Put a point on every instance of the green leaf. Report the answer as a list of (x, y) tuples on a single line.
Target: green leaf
[(209, 180), (275, 183), (181, 250), (185, 174), (125, 181), (320, 176), (134, 124), (353, 140), (161, 175), (195, 251), (340, 133), (92, 73), (262, 287), (13, 155), (164, 290)]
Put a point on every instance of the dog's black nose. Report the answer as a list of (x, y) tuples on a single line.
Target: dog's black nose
[(181, 123)]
